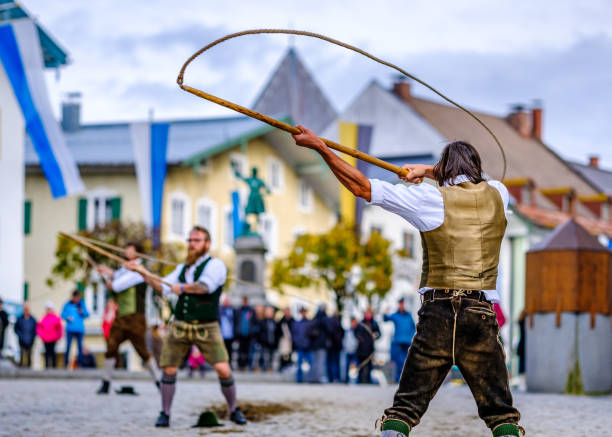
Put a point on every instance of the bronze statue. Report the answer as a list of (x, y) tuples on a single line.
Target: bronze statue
[(255, 203)]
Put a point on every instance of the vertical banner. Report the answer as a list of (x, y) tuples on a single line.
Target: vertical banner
[(22, 61), (357, 137), (236, 222), (348, 137), (364, 138), (150, 143)]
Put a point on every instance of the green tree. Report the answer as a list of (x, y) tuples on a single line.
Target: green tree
[(338, 261)]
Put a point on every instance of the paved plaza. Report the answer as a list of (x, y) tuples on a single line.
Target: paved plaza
[(53, 407)]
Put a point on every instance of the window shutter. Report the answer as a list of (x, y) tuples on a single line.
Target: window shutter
[(115, 204), (82, 214), (27, 217), (26, 289)]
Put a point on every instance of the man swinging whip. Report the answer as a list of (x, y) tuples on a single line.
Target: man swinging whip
[(462, 223)]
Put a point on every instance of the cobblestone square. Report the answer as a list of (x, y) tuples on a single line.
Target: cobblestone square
[(54, 407)]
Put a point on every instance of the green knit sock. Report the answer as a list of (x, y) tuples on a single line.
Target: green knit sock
[(396, 425), (506, 429)]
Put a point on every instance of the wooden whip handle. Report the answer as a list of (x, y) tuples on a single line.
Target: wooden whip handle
[(123, 262), (294, 130)]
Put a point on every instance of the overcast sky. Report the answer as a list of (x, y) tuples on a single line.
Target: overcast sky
[(486, 55)]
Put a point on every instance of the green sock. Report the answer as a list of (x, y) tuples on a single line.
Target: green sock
[(396, 425), (506, 429)]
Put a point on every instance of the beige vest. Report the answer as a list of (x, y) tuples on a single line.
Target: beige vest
[(463, 253)]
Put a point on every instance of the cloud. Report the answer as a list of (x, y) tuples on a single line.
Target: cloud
[(486, 55)]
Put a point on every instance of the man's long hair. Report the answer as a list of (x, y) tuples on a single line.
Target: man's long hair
[(458, 158)]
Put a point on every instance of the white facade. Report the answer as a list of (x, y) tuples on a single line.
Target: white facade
[(12, 133)]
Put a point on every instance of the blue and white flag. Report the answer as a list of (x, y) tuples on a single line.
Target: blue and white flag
[(22, 60), (150, 142)]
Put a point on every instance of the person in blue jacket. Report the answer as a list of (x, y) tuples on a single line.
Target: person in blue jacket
[(402, 336), (74, 313)]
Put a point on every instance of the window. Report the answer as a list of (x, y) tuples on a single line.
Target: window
[(101, 206), (239, 162), (407, 244), (276, 180), (180, 216), (268, 230), (27, 217), (377, 229), (304, 196), (206, 216), (228, 228)]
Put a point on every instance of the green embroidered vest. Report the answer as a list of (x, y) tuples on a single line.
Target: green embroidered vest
[(463, 253), (201, 307), (132, 300)]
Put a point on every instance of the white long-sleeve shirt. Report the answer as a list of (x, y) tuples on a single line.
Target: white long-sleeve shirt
[(422, 206), (123, 279), (213, 276)]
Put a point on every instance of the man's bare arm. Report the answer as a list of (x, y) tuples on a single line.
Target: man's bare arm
[(195, 288), (349, 176)]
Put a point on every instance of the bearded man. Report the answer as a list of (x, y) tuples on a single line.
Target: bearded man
[(198, 284)]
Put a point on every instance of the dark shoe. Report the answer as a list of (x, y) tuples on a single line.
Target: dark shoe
[(103, 390), (163, 421), (237, 417)]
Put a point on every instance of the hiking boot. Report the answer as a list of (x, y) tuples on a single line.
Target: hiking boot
[(237, 417), (163, 421), (103, 390)]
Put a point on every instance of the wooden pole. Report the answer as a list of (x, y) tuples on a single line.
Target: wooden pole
[(114, 257)]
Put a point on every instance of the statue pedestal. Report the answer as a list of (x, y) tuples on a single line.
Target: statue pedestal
[(250, 267)]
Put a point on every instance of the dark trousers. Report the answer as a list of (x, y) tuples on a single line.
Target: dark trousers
[(244, 350), (333, 365), (132, 327), (229, 345), (303, 355), (25, 358), (50, 356), (399, 351), (79, 338), (464, 332), (365, 371)]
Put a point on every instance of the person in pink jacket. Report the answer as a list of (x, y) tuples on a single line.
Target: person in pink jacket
[(49, 329)]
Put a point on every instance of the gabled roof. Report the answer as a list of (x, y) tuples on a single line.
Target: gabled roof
[(111, 144), (599, 177), (53, 54), (547, 218), (569, 236), (526, 157), (398, 130), (292, 90)]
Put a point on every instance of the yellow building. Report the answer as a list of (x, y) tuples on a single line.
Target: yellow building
[(199, 181)]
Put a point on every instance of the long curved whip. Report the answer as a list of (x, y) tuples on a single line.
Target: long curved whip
[(293, 130)]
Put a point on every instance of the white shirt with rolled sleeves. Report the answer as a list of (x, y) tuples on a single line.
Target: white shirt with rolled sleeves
[(213, 276), (123, 279), (422, 206)]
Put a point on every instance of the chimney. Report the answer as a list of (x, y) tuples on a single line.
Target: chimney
[(401, 88), (519, 120), (594, 161), (536, 120), (71, 112)]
